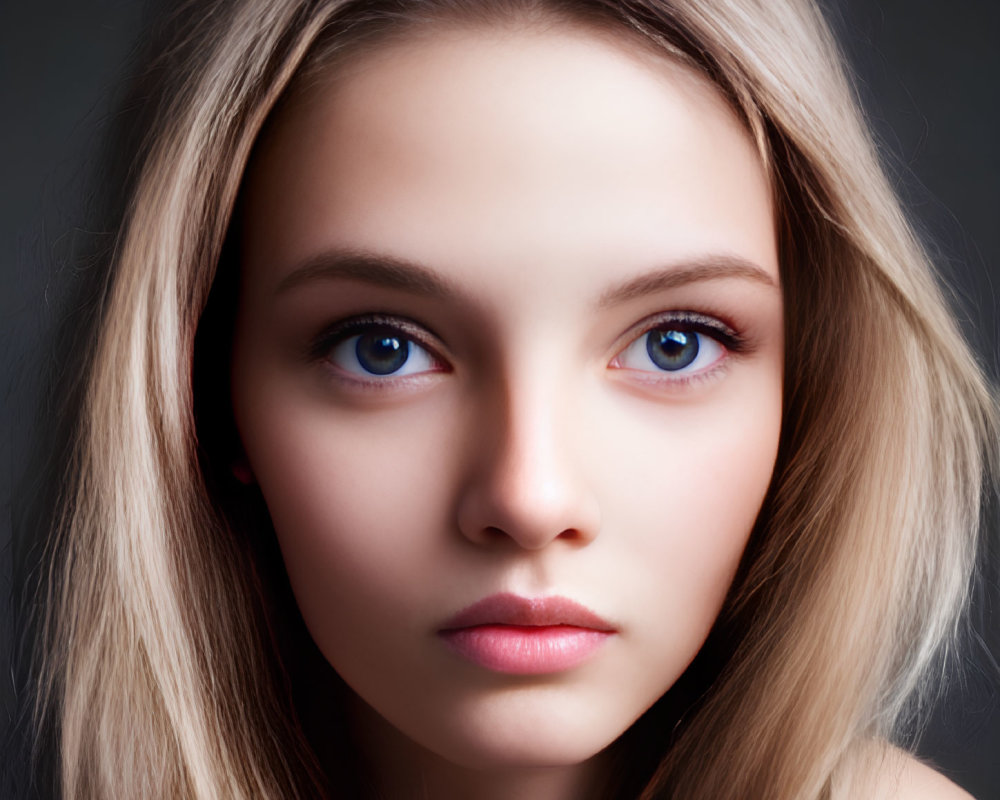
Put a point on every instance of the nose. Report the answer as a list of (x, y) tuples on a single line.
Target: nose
[(525, 483)]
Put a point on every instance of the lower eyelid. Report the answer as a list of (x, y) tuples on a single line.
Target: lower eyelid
[(664, 382), (351, 383)]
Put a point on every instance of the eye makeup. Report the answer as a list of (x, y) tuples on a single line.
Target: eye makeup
[(378, 349), (320, 346), (376, 352), (694, 322), (675, 349)]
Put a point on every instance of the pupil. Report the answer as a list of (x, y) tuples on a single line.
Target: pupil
[(672, 350), (381, 353)]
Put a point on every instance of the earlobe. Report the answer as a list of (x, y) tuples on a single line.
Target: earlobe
[(242, 472)]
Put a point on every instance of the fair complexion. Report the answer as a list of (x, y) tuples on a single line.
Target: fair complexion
[(896, 775), (510, 323)]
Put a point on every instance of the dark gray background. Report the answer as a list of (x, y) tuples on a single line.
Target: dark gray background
[(929, 74)]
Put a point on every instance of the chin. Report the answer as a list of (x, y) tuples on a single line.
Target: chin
[(522, 733)]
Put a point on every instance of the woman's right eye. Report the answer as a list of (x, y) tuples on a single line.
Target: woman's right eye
[(378, 351)]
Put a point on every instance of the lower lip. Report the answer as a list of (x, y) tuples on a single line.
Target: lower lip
[(525, 650)]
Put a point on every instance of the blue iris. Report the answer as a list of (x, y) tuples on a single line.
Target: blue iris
[(382, 352), (672, 350)]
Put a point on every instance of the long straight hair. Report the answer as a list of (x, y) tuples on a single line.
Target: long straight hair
[(857, 571)]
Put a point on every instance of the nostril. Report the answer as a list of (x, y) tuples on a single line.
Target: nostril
[(494, 533), (525, 496)]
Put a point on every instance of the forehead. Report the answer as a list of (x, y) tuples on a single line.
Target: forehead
[(520, 147)]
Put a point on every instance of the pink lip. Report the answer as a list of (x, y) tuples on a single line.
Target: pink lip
[(522, 636)]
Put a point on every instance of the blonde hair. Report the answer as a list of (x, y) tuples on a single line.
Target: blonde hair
[(855, 577)]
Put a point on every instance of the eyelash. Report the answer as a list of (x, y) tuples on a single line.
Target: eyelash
[(413, 333), (416, 334), (721, 335)]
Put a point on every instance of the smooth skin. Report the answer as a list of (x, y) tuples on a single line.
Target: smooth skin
[(517, 212)]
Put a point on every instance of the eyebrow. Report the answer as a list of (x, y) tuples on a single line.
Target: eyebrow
[(409, 276), (704, 268), (377, 269)]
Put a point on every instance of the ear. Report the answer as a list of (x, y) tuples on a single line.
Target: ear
[(242, 472)]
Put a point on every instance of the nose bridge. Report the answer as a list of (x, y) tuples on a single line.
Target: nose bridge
[(528, 484), (530, 442)]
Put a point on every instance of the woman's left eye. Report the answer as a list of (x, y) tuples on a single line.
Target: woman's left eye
[(380, 351), (676, 349)]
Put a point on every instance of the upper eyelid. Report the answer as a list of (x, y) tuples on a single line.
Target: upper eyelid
[(342, 329), (704, 323), (429, 340), (681, 317)]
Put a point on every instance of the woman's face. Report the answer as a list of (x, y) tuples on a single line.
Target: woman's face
[(508, 369)]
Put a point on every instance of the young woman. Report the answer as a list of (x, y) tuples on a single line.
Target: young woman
[(509, 399)]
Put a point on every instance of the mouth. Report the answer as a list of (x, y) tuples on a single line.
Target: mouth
[(526, 636)]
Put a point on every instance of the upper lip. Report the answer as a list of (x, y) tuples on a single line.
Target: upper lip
[(511, 609)]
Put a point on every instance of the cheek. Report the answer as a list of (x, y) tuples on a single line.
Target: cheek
[(702, 489), (681, 504), (359, 507)]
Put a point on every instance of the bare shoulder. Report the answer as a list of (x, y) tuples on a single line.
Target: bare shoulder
[(900, 776)]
